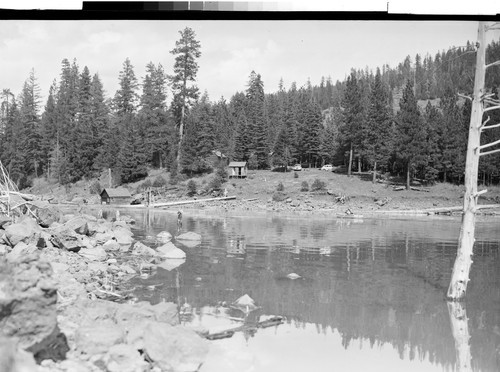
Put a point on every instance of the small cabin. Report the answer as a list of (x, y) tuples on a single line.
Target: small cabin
[(238, 169), (119, 195)]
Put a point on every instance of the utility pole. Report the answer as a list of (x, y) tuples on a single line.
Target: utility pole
[(463, 261)]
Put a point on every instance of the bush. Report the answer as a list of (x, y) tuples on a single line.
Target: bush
[(279, 196), (318, 185), (280, 187), (146, 185), (159, 182), (191, 186), (95, 188), (215, 183), (304, 186), (295, 175), (173, 173)]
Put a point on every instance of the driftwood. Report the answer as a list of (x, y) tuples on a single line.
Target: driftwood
[(156, 205), (401, 188), (435, 210)]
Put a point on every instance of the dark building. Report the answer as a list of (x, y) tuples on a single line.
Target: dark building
[(119, 195)]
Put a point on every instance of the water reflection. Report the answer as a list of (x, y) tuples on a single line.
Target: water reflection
[(375, 287)]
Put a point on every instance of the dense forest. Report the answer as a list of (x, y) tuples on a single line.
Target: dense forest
[(407, 120)]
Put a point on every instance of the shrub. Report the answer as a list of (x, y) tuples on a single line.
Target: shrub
[(95, 188), (279, 196), (318, 185), (215, 183), (159, 182), (304, 186), (295, 175), (280, 187), (173, 173), (146, 184), (191, 186)]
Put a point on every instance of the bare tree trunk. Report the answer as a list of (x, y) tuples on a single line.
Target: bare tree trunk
[(408, 176), (374, 172), (460, 330), (463, 261), (350, 162), (359, 164)]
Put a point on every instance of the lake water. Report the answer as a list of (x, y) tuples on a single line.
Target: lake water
[(370, 294)]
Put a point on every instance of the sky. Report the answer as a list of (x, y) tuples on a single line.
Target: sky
[(292, 50)]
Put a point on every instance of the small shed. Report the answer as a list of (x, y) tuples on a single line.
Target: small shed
[(238, 169), (119, 195)]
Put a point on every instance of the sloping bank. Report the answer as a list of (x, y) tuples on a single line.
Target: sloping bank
[(57, 276)]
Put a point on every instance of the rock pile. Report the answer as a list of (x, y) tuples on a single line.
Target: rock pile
[(57, 273)]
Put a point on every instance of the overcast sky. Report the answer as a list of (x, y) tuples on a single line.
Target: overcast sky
[(292, 50)]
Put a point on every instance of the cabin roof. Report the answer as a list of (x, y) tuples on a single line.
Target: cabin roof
[(238, 164), (119, 192)]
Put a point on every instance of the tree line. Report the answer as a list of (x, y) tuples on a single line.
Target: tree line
[(407, 120)]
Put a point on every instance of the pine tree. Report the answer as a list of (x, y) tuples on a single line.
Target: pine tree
[(350, 131), (379, 135), (410, 132), (29, 103), (256, 120), (186, 51)]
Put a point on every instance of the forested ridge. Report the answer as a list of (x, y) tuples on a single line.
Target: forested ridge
[(407, 120)]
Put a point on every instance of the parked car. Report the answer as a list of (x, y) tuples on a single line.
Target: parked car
[(297, 167), (327, 167)]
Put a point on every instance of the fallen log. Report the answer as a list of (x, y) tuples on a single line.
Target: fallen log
[(434, 210), (156, 205)]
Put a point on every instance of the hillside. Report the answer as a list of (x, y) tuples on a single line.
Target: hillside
[(258, 192)]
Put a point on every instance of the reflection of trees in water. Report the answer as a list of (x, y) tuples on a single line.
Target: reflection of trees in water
[(382, 299), (382, 280)]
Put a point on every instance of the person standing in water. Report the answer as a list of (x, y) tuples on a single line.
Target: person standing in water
[(179, 221)]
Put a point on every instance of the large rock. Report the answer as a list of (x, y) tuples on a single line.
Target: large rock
[(47, 215), (3, 249), (191, 236), (26, 230), (124, 358), (174, 348), (13, 358), (170, 251), (141, 249), (78, 224), (164, 312), (93, 254), (123, 236), (99, 337), (164, 237), (111, 246), (21, 249), (68, 240), (28, 297)]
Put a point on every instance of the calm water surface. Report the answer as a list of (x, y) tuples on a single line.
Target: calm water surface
[(370, 296)]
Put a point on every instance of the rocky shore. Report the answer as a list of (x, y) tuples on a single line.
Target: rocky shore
[(61, 308)]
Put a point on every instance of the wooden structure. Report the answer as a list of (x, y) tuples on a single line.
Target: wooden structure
[(119, 195), (238, 169)]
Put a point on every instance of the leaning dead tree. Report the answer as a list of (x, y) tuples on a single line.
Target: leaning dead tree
[(481, 104)]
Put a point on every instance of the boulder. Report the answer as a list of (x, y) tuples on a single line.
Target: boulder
[(15, 359), (192, 236), (141, 249), (47, 215), (170, 251), (3, 249), (100, 226), (174, 348), (21, 249), (103, 237), (169, 265), (4, 221), (123, 236), (111, 246), (78, 224), (164, 237), (164, 312), (124, 358), (26, 230), (93, 254), (127, 269), (295, 203), (98, 337), (68, 240), (28, 297)]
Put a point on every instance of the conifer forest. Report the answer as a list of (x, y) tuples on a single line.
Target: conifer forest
[(408, 120)]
